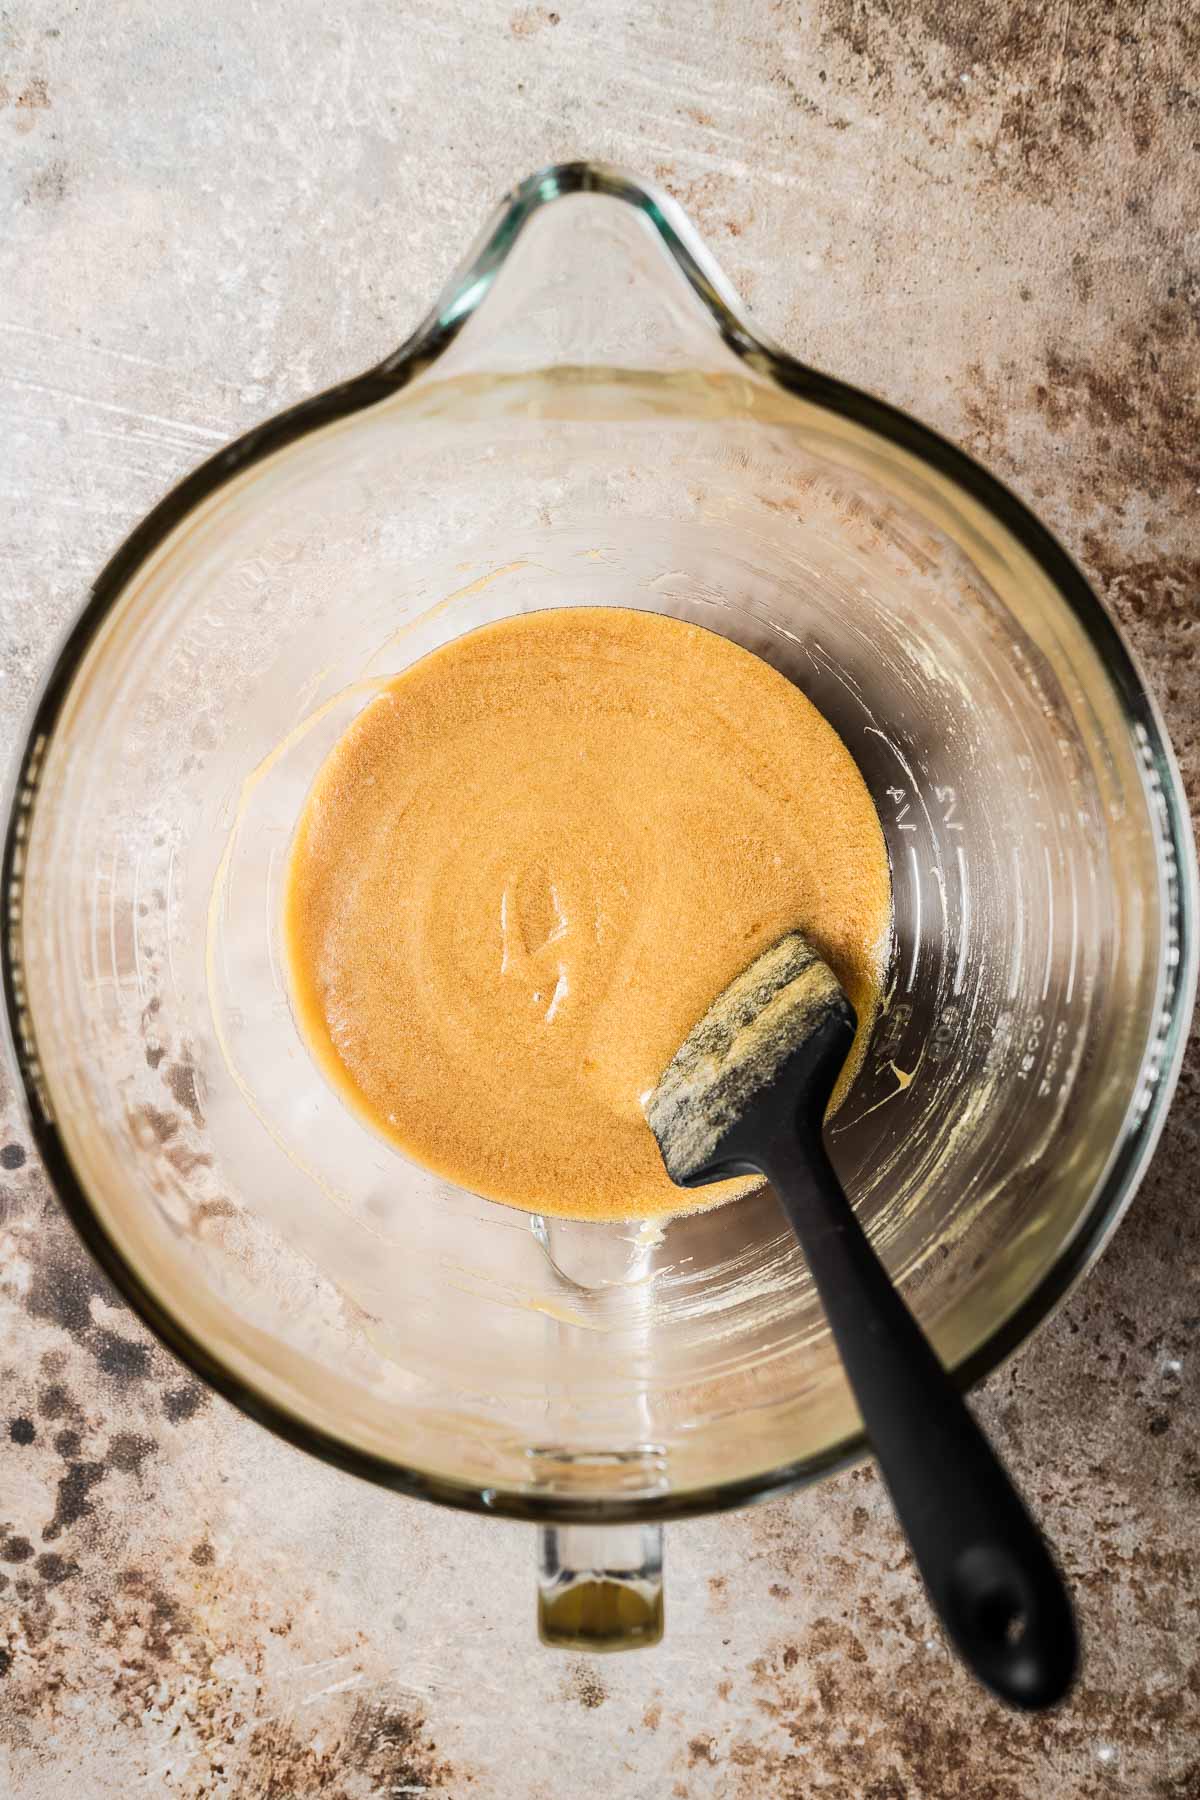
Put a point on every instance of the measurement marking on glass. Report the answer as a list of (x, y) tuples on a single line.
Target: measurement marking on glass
[(1050, 921), (916, 876), (1014, 973), (1074, 937), (135, 916), (964, 921)]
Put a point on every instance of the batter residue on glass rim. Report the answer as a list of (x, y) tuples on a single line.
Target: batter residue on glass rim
[(529, 867)]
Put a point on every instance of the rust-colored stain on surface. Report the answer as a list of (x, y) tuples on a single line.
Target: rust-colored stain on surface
[(986, 213)]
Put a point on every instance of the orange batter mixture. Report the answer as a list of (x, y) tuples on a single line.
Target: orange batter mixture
[(530, 865)]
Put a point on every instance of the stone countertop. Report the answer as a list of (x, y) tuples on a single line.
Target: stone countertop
[(985, 213)]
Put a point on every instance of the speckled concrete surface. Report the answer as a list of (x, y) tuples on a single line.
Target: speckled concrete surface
[(986, 212)]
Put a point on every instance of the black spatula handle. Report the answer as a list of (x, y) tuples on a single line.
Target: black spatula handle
[(985, 1564)]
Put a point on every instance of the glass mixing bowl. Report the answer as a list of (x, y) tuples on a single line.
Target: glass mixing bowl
[(588, 418)]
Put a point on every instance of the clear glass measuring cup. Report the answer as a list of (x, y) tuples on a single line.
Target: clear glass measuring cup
[(587, 417)]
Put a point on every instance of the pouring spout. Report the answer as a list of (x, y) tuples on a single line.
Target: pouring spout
[(582, 266)]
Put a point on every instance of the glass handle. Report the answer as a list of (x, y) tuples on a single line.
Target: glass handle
[(600, 1586)]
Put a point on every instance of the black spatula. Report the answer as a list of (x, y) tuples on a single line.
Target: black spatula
[(747, 1092)]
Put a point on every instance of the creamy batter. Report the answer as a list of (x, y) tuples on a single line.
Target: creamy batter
[(531, 864)]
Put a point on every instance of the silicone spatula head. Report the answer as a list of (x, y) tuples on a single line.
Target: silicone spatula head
[(773, 1043)]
